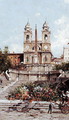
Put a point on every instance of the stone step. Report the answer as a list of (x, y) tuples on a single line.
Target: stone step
[(4, 92), (6, 105), (36, 106)]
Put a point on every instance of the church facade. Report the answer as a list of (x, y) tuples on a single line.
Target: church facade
[(37, 51), (37, 57)]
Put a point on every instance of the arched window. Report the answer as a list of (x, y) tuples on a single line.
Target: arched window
[(32, 59), (27, 37), (39, 48), (45, 58), (32, 48), (27, 59), (45, 37)]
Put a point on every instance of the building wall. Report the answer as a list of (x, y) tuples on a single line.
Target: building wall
[(66, 54), (46, 58), (15, 58), (33, 75)]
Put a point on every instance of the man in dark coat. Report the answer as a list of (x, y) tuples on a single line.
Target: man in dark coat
[(50, 108)]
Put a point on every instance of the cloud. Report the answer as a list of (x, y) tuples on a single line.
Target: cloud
[(61, 20), (61, 36), (66, 1), (37, 14)]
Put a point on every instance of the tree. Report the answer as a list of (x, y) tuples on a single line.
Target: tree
[(63, 66), (5, 62)]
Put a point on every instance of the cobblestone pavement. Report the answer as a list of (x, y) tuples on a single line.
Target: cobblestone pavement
[(32, 115)]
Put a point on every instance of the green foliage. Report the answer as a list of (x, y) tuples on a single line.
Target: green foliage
[(5, 63), (63, 66)]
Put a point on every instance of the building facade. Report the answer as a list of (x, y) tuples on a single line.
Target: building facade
[(15, 58), (56, 61), (66, 53), (37, 51)]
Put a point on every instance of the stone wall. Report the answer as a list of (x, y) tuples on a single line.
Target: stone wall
[(32, 73)]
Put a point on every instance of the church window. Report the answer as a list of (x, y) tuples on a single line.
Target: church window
[(32, 59), (32, 48), (39, 48), (45, 37), (45, 58), (27, 37), (27, 59)]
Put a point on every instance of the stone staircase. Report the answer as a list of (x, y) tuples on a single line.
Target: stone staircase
[(36, 105), (5, 104), (10, 87), (45, 105), (4, 80)]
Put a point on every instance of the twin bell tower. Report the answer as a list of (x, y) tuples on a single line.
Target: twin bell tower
[(37, 51)]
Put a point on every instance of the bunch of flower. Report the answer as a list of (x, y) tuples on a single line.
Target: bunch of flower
[(40, 92)]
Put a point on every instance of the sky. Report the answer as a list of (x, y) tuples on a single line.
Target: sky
[(14, 15)]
